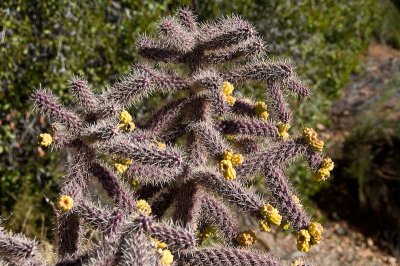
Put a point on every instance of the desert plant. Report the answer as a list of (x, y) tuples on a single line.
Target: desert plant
[(225, 141)]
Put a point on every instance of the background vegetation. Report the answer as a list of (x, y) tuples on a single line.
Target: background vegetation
[(45, 42)]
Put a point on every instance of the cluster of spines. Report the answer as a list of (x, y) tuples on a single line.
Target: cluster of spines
[(213, 121)]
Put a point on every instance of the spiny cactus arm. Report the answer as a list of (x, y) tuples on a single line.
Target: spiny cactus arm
[(101, 131), (115, 189), (295, 85), (77, 259), (158, 51), (280, 155), (247, 144), (47, 103), (187, 19), (246, 199), (210, 81), (244, 107), (17, 248), (188, 208), (254, 47), (285, 199), (210, 138), (260, 70), (176, 237), (278, 103), (147, 174), (198, 154), (136, 250), (68, 233), (144, 153), (103, 256), (221, 256), (147, 191), (174, 34), (215, 212), (226, 32), (163, 117), (85, 98), (247, 126), (162, 202)]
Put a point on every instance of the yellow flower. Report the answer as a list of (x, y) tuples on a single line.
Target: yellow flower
[(227, 88), (271, 213), (44, 139), (143, 207), (303, 246), (315, 229), (327, 163), (125, 117), (128, 127), (160, 245), (230, 173), (224, 165), (230, 100), (264, 115), (303, 240), (282, 129), (311, 138), (65, 203), (166, 258), (247, 238), (285, 225), (227, 155), (237, 159), (264, 226), (322, 174), (161, 146), (120, 168)]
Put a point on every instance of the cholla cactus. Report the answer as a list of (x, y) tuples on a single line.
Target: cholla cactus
[(223, 148)]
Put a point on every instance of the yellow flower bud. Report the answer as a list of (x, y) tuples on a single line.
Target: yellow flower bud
[(311, 137), (227, 155), (128, 127), (65, 203), (135, 182), (315, 229), (282, 129), (224, 165), (271, 213), (125, 117), (161, 146), (322, 174), (264, 226), (230, 173), (166, 258), (230, 100), (303, 236), (247, 238), (303, 246), (328, 164), (285, 225), (120, 168), (237, 159), (143, 207), (44, 139), (264, 115), (227, 88)]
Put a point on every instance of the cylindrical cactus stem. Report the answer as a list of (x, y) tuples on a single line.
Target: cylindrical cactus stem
[(86, 99), (246, 199), (135, 249), (187, 19), (47, 103), (247, 144), (210, 138), (278, 103), (175, 35), (102, 131), (113, 186), (248, 126), (188, 208), (268, 71), (17, 247), (175, 237), (93, 215), (145, 153), (152, 175), (255, 47), (227, 32), (68, 233), (221, 256), (162, 202), (215, 212), (158, 51), (296, 86), (284, 198)]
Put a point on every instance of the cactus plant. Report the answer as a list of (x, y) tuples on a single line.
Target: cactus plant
[(180, 190)]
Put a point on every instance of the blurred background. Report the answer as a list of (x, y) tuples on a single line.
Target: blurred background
[(346, 51)]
